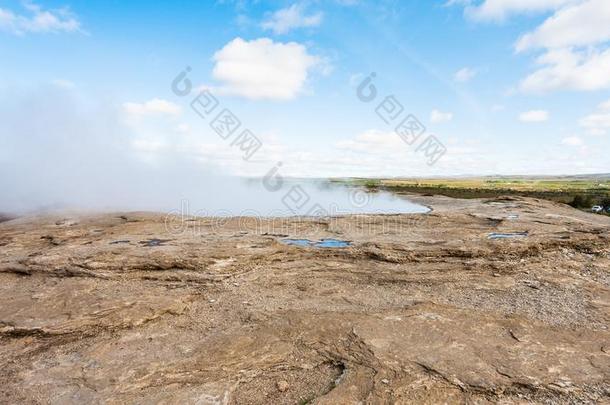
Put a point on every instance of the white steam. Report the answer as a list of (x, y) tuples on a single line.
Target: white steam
[(61, 151)]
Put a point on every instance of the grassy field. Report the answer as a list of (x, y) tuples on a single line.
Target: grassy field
[(580, 191)]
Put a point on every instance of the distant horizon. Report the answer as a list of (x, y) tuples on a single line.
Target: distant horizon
[(474, 176)]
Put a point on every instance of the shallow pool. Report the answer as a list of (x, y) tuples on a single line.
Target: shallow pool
[(496, 235), (322, 243), (295, 198)]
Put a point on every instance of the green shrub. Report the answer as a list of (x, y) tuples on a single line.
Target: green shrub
[(582, 201)]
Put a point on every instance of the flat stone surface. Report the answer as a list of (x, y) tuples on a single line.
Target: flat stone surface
[(418, 308)]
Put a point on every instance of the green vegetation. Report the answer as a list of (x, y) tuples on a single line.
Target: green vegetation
[(307, 400), (579, 191), (582, 201), (372, 184)]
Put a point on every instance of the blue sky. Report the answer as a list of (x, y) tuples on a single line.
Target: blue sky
[(507, 86)]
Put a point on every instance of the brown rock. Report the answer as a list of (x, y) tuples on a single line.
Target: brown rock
[(85, 320), (282, 386)]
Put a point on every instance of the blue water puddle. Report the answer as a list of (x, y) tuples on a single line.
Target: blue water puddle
[(332, 243), (297, 242), (495, 235), (322, 243)]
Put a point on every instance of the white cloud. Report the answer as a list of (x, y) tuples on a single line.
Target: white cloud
[(605, 105), (450, 3), (498, 10), (599, 122), (374, 152), (151, 107), (572, 141), (263, 69), (63, 83), (437, 116), (582, 24), (566, 63), (183, 128), (286, 19), (573, 39), (372, 141), (596, 121), (569, 69), (534, 116), (38, 20), (356, 78), (465, 74)]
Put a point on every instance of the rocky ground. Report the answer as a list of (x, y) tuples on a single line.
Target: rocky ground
[(132, 308)]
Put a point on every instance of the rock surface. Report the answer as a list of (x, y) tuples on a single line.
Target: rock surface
[(140, 308)]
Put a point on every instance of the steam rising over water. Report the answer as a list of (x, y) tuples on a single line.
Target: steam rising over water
[(62, 151), (298, 198)]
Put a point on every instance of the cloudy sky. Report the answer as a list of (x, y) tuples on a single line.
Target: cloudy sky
[(505, 86)]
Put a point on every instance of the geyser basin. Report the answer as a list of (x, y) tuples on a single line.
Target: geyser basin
[(306, 198), (201, 195)]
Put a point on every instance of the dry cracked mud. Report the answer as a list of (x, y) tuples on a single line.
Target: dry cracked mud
[(146, 309)]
